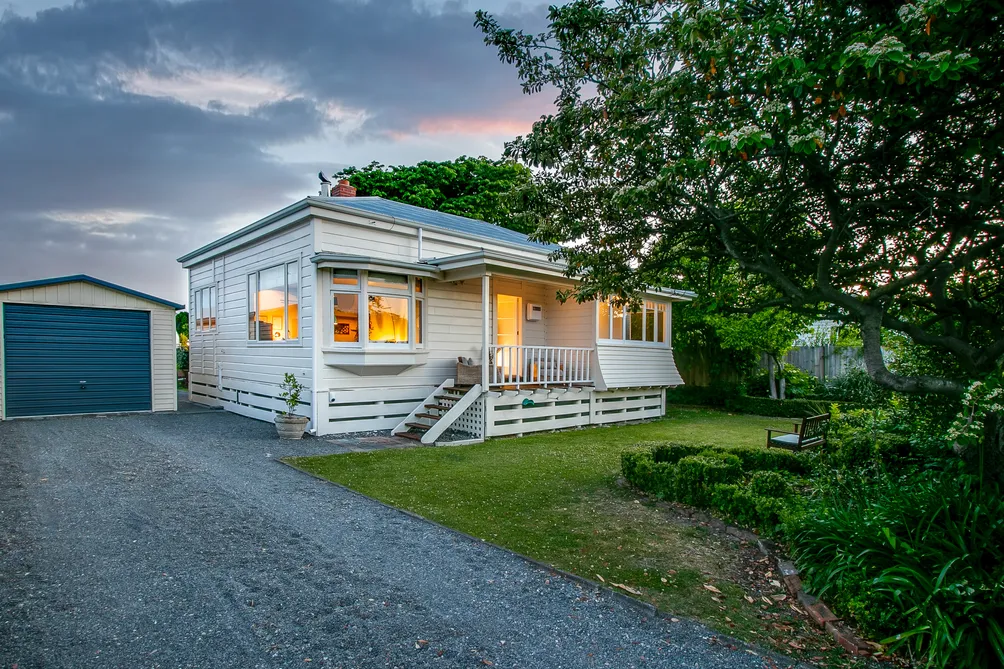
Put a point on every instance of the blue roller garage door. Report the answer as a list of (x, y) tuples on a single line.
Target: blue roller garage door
[(68, 360)]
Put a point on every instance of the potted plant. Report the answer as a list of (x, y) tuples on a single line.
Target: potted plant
[(288, 424)]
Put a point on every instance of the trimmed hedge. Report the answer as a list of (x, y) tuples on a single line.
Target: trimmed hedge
[(751, 458), (748, 485), (708, 396)]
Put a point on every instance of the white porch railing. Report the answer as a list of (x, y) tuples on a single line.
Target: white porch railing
[(538, 365)]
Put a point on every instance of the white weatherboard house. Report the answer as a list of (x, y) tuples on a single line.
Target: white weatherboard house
[(371, 302)]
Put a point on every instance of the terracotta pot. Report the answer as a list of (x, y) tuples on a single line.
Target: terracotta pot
[(291, 427)]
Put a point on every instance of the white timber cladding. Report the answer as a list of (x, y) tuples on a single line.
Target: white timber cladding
[(163, 342), (225, 369), (243, 376)]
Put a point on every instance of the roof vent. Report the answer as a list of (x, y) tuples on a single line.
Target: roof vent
[(325, 185)]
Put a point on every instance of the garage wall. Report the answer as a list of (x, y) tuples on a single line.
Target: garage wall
[(82, 294)]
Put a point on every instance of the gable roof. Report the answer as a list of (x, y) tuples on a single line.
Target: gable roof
[(88, 279), (438, 219)]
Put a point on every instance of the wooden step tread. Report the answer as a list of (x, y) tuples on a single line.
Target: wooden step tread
[(409, 435), (458, 389), (452, 398), (418, 426), (441, 407), (430, 416)]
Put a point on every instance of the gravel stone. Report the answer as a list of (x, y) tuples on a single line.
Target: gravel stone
[(178, 540)]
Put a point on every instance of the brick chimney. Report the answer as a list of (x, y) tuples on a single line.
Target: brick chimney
[(343, 189)]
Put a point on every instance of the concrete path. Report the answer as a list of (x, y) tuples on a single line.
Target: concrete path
[(178, 541)]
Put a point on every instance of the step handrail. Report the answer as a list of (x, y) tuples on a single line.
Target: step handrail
[(451, 416), (402, 427)]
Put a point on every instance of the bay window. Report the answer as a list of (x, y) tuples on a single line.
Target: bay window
[(393, 313), (273, 296), (647, 324)]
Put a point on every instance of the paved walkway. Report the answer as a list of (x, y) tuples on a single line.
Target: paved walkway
[(178, 541)]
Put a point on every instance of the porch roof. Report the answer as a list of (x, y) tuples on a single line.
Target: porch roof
[(478, 263)]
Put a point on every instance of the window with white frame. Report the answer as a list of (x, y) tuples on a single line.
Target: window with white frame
[(376, 309), (203, 315), (647, 324), (273, 296)]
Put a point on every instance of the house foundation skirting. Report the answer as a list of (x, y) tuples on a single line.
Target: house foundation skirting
[(495, 414), (507, 413), (254, 400)]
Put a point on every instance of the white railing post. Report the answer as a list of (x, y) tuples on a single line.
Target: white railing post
[(519, 366)]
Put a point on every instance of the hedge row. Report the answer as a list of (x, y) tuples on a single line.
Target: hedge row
[(751, 458), (745, 484), (759, 406)]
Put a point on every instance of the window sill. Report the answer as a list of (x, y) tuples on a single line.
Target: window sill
[(628, 343), (287, 343), (373, 361)]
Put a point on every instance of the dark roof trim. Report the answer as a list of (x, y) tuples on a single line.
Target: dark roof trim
[(347, 261), (89, 279)]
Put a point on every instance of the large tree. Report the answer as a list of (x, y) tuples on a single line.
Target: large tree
[(847, 153), (478, 188)]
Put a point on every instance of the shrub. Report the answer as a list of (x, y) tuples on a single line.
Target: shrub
[(857, 387), (920, 560), (740, 505), (862, 439), (771, 459), (751, 458), (181, 357), (697, 474), (768, 484), (636, 466)]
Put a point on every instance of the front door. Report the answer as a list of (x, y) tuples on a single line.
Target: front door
[(509, 335)]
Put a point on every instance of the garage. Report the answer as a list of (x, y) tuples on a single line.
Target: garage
[(80, 345)]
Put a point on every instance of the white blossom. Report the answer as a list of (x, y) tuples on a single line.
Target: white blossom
[(816, 135)]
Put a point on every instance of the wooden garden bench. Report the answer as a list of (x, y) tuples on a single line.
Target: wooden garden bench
[(811, 432)]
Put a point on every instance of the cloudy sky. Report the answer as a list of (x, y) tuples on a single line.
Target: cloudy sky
[(132, 131)]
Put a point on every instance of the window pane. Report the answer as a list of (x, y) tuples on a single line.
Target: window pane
[(419, 285), (661, 316), (604, 321), (388, 318), (381, 280), (272, 304), (345, 277), (419, 306), (618, 322), (346, 319), (252, 305), (293, 300), (635, 326), (196, 312), (212, 308), (650, 321)]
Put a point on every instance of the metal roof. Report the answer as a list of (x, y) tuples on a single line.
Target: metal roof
[(88, 279), (438, 219)]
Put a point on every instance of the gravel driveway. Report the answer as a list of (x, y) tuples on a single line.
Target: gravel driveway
[(177, 540)]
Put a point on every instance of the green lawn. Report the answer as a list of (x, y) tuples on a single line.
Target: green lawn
[(553, 497)]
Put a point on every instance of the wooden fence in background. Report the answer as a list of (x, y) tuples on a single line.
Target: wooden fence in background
[(823, 362)]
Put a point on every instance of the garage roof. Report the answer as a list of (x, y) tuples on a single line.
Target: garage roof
[(88, 279)]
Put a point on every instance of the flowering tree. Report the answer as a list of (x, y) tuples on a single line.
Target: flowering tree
[(847, 153)]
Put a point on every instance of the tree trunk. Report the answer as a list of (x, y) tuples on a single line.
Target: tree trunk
[(770, 376)]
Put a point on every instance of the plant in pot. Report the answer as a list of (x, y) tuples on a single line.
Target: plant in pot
[(288, 424)]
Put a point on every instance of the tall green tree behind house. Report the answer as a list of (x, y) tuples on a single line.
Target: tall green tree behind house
[(474, 187), (849, 153)]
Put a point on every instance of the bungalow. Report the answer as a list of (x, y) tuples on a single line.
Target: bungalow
[(435, 326)]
